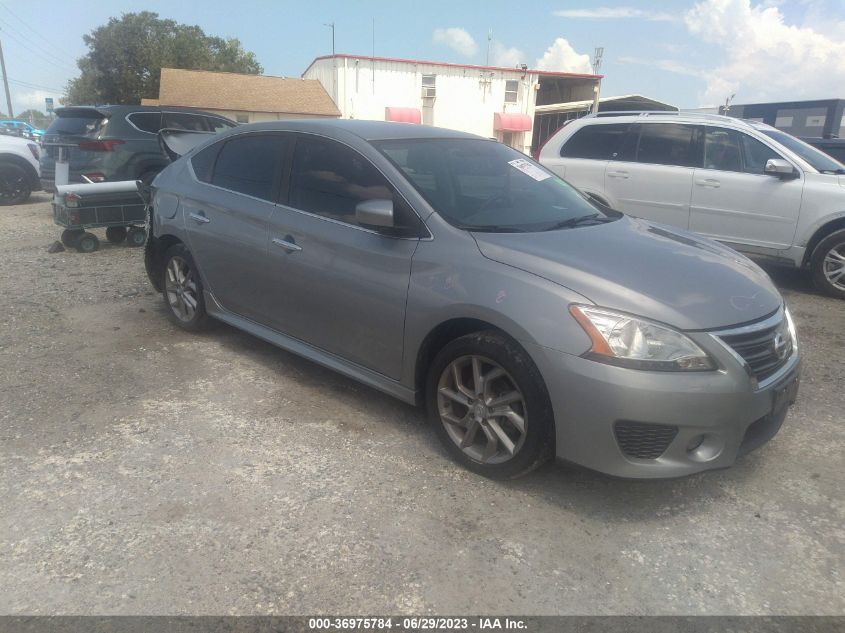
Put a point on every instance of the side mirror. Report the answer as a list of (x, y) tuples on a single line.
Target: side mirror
[(377, 212), (779, 167)]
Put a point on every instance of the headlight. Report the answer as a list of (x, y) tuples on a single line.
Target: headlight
[(791, 327), (627, 341)]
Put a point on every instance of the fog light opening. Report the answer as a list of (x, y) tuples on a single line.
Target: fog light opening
[(705, 447)]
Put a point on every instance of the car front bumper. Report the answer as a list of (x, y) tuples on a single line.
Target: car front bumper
[(596, 405)]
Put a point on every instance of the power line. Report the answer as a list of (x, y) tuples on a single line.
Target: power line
[(48, 57), (27, 84), (45, 39)]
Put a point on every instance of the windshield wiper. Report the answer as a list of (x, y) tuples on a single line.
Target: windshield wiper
[(592, 218), (490, 228)]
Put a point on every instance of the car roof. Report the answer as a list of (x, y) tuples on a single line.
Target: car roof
[(366, 130), (110, 110), (690, 118)]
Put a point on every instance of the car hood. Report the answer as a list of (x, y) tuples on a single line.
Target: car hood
[(651, 270)]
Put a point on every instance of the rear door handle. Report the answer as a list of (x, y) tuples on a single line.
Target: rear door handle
[(200, 218), (288, 244), (618, 174), (708, 182)]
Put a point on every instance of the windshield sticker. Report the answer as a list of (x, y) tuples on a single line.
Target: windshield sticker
[(529, 169)]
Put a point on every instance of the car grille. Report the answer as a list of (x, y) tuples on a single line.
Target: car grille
[(644, 441), (765, 350)]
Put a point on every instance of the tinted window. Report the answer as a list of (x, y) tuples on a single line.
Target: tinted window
[(203, 162), (330, 179), (756, 154), (217, 125), (666, 144), (83, 125), (599, 142), (250, 164), (483, 185), (183, 121), (722, 150), (146, 121)]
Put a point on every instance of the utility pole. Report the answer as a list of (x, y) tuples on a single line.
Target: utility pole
[(6, 82), (331, 26), (597, 57), (489, 39)]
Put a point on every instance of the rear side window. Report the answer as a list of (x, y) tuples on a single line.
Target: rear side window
[(217, 125), (203, 162), (667, 144), (722, 150), (250, 164), (185, 121), (598, 142), (146, 121), (90, 125)]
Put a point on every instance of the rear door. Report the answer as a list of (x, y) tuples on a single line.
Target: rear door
[(71, 127), (335, 284), (584, 156), (652, 175), (227, 218), (734, 201)]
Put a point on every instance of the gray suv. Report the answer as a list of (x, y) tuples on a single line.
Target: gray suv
[(116, 142), (450, 270)]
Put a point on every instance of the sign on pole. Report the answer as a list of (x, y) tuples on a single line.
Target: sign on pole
[(48, 101)]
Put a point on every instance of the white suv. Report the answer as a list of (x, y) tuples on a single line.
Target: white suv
[(18, 169), (747, 184)]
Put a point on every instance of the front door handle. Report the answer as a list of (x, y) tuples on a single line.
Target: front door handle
[(288, 244), (618, 174), (200, 218), (708, 182)]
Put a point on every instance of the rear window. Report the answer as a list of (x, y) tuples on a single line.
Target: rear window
[(88, 124), (598, 142)]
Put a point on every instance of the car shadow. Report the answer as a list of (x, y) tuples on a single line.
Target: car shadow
[(792, 280)]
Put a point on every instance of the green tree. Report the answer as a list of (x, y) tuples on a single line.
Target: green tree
[(39, 119), (126, 55)]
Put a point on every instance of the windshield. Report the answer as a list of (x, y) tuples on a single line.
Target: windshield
[(482, 185), (817, 159)]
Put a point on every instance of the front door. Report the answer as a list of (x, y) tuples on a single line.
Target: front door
[(337, 285), (227, 218), (733, 200)]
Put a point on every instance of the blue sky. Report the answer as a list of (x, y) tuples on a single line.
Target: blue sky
[(684, 52)]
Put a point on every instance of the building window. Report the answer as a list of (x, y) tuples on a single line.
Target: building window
[(429, 89), (511, 91), (801, 121), (242, 118)]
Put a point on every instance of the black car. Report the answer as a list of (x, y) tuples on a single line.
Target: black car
[(831, 146), (116, 142)]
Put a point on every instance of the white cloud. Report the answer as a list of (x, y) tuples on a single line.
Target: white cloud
[(669, 65), (561, 57), (507, 57), (457, 39), (30, 100), (765, 58), (613, 13)]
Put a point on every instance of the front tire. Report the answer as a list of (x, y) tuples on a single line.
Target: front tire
[(828, 265), (489, 406), (182, 289)]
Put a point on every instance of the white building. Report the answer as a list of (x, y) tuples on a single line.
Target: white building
[(486, 100)]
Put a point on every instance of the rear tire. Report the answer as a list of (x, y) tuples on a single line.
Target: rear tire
[(87, 243), (116, 234), (489, 405), (182, 290), (14, 184), (828, 265)]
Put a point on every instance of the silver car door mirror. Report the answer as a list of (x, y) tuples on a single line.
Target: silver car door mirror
[(377, 212), (779, 167)]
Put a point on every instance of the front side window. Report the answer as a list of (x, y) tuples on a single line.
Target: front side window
[(250, 164), (667, 144), (511, 91), (597, 142), (756, 154), (330, 179), (481, 185)]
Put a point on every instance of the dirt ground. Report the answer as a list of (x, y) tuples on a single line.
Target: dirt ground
[(148, 471)]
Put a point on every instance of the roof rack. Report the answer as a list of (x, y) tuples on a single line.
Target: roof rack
[(686, 115)]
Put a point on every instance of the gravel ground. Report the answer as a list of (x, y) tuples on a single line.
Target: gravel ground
[(147, 471)]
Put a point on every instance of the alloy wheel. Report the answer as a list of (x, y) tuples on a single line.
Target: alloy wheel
[(482, 409), (834, 266), (12, 187), (181, 289)]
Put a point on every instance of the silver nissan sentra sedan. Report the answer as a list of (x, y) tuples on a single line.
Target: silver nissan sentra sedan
[(450, 270)]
